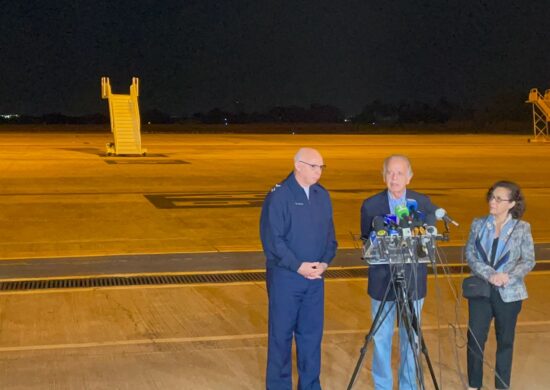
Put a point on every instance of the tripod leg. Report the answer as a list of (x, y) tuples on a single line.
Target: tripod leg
[(378, 319), (429, 362), (423, 346)]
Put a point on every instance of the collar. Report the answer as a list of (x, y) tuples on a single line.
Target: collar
[(402, 198), (490, 224), (296, 188)]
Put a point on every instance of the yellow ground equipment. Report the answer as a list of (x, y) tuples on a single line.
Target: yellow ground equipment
[(125, 120), (541, 114)]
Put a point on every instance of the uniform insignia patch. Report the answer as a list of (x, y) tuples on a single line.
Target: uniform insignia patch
[(275, 188)]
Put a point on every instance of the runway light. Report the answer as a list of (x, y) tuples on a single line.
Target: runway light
[(9, 116)]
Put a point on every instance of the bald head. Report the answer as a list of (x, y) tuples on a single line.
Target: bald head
[(308, 166), (306, 153)]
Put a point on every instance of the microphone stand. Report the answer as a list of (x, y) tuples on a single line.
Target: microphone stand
[(376, 323), (406, 315), (446, 232)]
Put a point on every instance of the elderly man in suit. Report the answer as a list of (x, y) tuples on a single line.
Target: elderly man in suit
[(397, 174)]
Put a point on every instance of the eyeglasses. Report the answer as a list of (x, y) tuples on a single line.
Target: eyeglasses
[(314, 166), (498, 199), (392, 173)]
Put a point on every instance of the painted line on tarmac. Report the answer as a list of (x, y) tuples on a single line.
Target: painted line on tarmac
[(539, 244), (202, 339)]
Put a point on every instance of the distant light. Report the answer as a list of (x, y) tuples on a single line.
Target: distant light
[(347, 120), (9, 116)]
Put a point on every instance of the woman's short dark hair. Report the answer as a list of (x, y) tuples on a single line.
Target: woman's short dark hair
[(515, 195)]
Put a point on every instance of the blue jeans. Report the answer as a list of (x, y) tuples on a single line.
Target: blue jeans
[(381, 360)]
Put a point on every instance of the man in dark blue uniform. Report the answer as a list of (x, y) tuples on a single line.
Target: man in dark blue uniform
[(297, 234), (397, 174)]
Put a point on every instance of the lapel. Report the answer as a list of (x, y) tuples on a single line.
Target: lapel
[(484, 241), (503, 252), (386, 202)]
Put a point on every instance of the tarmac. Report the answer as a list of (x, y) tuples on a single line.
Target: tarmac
[(190, 208), (60, 196)]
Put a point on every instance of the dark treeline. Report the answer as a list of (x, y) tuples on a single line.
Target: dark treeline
[(55, 118), (316, 113), (503, 108)]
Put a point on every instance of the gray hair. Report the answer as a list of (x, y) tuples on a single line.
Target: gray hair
[(401, 156), (298, 155)]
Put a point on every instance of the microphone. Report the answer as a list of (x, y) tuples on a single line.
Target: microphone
[(390, 220), (419, 230), (405, 220), (373, 239), (378, 223), (422, 249), (431, 230), (412, 205), (382, 233), (441, 214), (421, 216), (417, 218), (401, 211), (370, 245)]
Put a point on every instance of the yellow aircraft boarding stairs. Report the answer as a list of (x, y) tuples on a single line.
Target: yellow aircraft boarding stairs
[(125, 120), (541, 114)]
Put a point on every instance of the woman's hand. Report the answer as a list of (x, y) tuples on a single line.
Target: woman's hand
[(500, 279)]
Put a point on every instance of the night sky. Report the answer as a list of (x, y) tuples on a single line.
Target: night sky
[(196, 55)]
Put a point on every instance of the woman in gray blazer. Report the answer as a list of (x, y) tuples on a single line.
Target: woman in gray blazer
[(500, 250)]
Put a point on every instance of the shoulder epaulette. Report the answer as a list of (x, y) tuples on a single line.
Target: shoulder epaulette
[(275, 187)]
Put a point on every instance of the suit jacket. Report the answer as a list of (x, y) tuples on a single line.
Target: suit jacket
[(380, 276), (515, 255)]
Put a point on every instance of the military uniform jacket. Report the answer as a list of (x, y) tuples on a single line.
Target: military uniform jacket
[(294, 229)]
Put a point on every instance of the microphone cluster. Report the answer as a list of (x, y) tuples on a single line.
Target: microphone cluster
[(407, 221), (403, 235)]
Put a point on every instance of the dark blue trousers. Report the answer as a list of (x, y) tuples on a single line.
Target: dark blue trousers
[(296, 310), (481, 312)]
